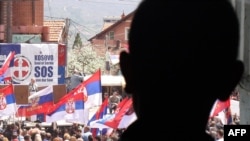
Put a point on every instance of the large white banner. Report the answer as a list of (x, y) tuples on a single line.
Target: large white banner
[(44, 62)]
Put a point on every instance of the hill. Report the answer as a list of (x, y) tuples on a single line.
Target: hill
[(86, 16)]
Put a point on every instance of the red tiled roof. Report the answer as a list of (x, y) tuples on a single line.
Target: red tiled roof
[(55, 29)]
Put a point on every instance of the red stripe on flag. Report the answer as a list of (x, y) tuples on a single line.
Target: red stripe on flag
[(6, 63), (220, 106), (118, 117)]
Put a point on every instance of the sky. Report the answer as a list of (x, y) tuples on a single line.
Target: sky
[(86, 16)]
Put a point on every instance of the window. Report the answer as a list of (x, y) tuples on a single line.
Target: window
[(111, 35), (126, 33)]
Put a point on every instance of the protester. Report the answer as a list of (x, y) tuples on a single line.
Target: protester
[(113, 101), (33, 86), (76, 79), (27, 138), (86, 133)]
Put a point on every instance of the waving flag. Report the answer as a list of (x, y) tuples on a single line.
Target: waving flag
[(6, 77), (219, 106), (123, 117), (114, 123), (100, 113), (121, 104), (70, 108), (6, 63), (228, 115), (5, 70), (100, 123), (39, 103), (128, 118), (7, 101), (93, 89)]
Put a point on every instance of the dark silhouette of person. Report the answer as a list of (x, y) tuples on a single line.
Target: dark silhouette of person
[(189, 50)]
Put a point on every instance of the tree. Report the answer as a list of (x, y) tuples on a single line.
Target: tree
[(77, 42), (85, 59)]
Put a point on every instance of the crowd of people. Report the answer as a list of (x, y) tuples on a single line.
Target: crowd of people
[(76, 132), (215, 126), (21, 131)]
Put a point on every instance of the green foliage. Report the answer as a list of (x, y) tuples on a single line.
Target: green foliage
[(84, 59), (77, 42)]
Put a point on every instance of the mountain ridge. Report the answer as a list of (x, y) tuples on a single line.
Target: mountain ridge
[(86, 16)]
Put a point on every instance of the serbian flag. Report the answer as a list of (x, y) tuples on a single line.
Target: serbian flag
[(6, 76), (114, 123), (7, 101), (5, 70), (70, 108), (128, 118), (219, 106), (6, 63), (99, 123), (122, 119), (100, 113), (39, 103), (228, 115), (93, 89), (119, 120), (121, 104)]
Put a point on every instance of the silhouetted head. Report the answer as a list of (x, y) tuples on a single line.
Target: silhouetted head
[(182, 52)]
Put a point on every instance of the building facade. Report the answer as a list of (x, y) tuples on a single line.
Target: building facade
[(112, 40), (22, 21)]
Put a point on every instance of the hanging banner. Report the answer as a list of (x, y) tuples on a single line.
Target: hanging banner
[(40, 61)]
